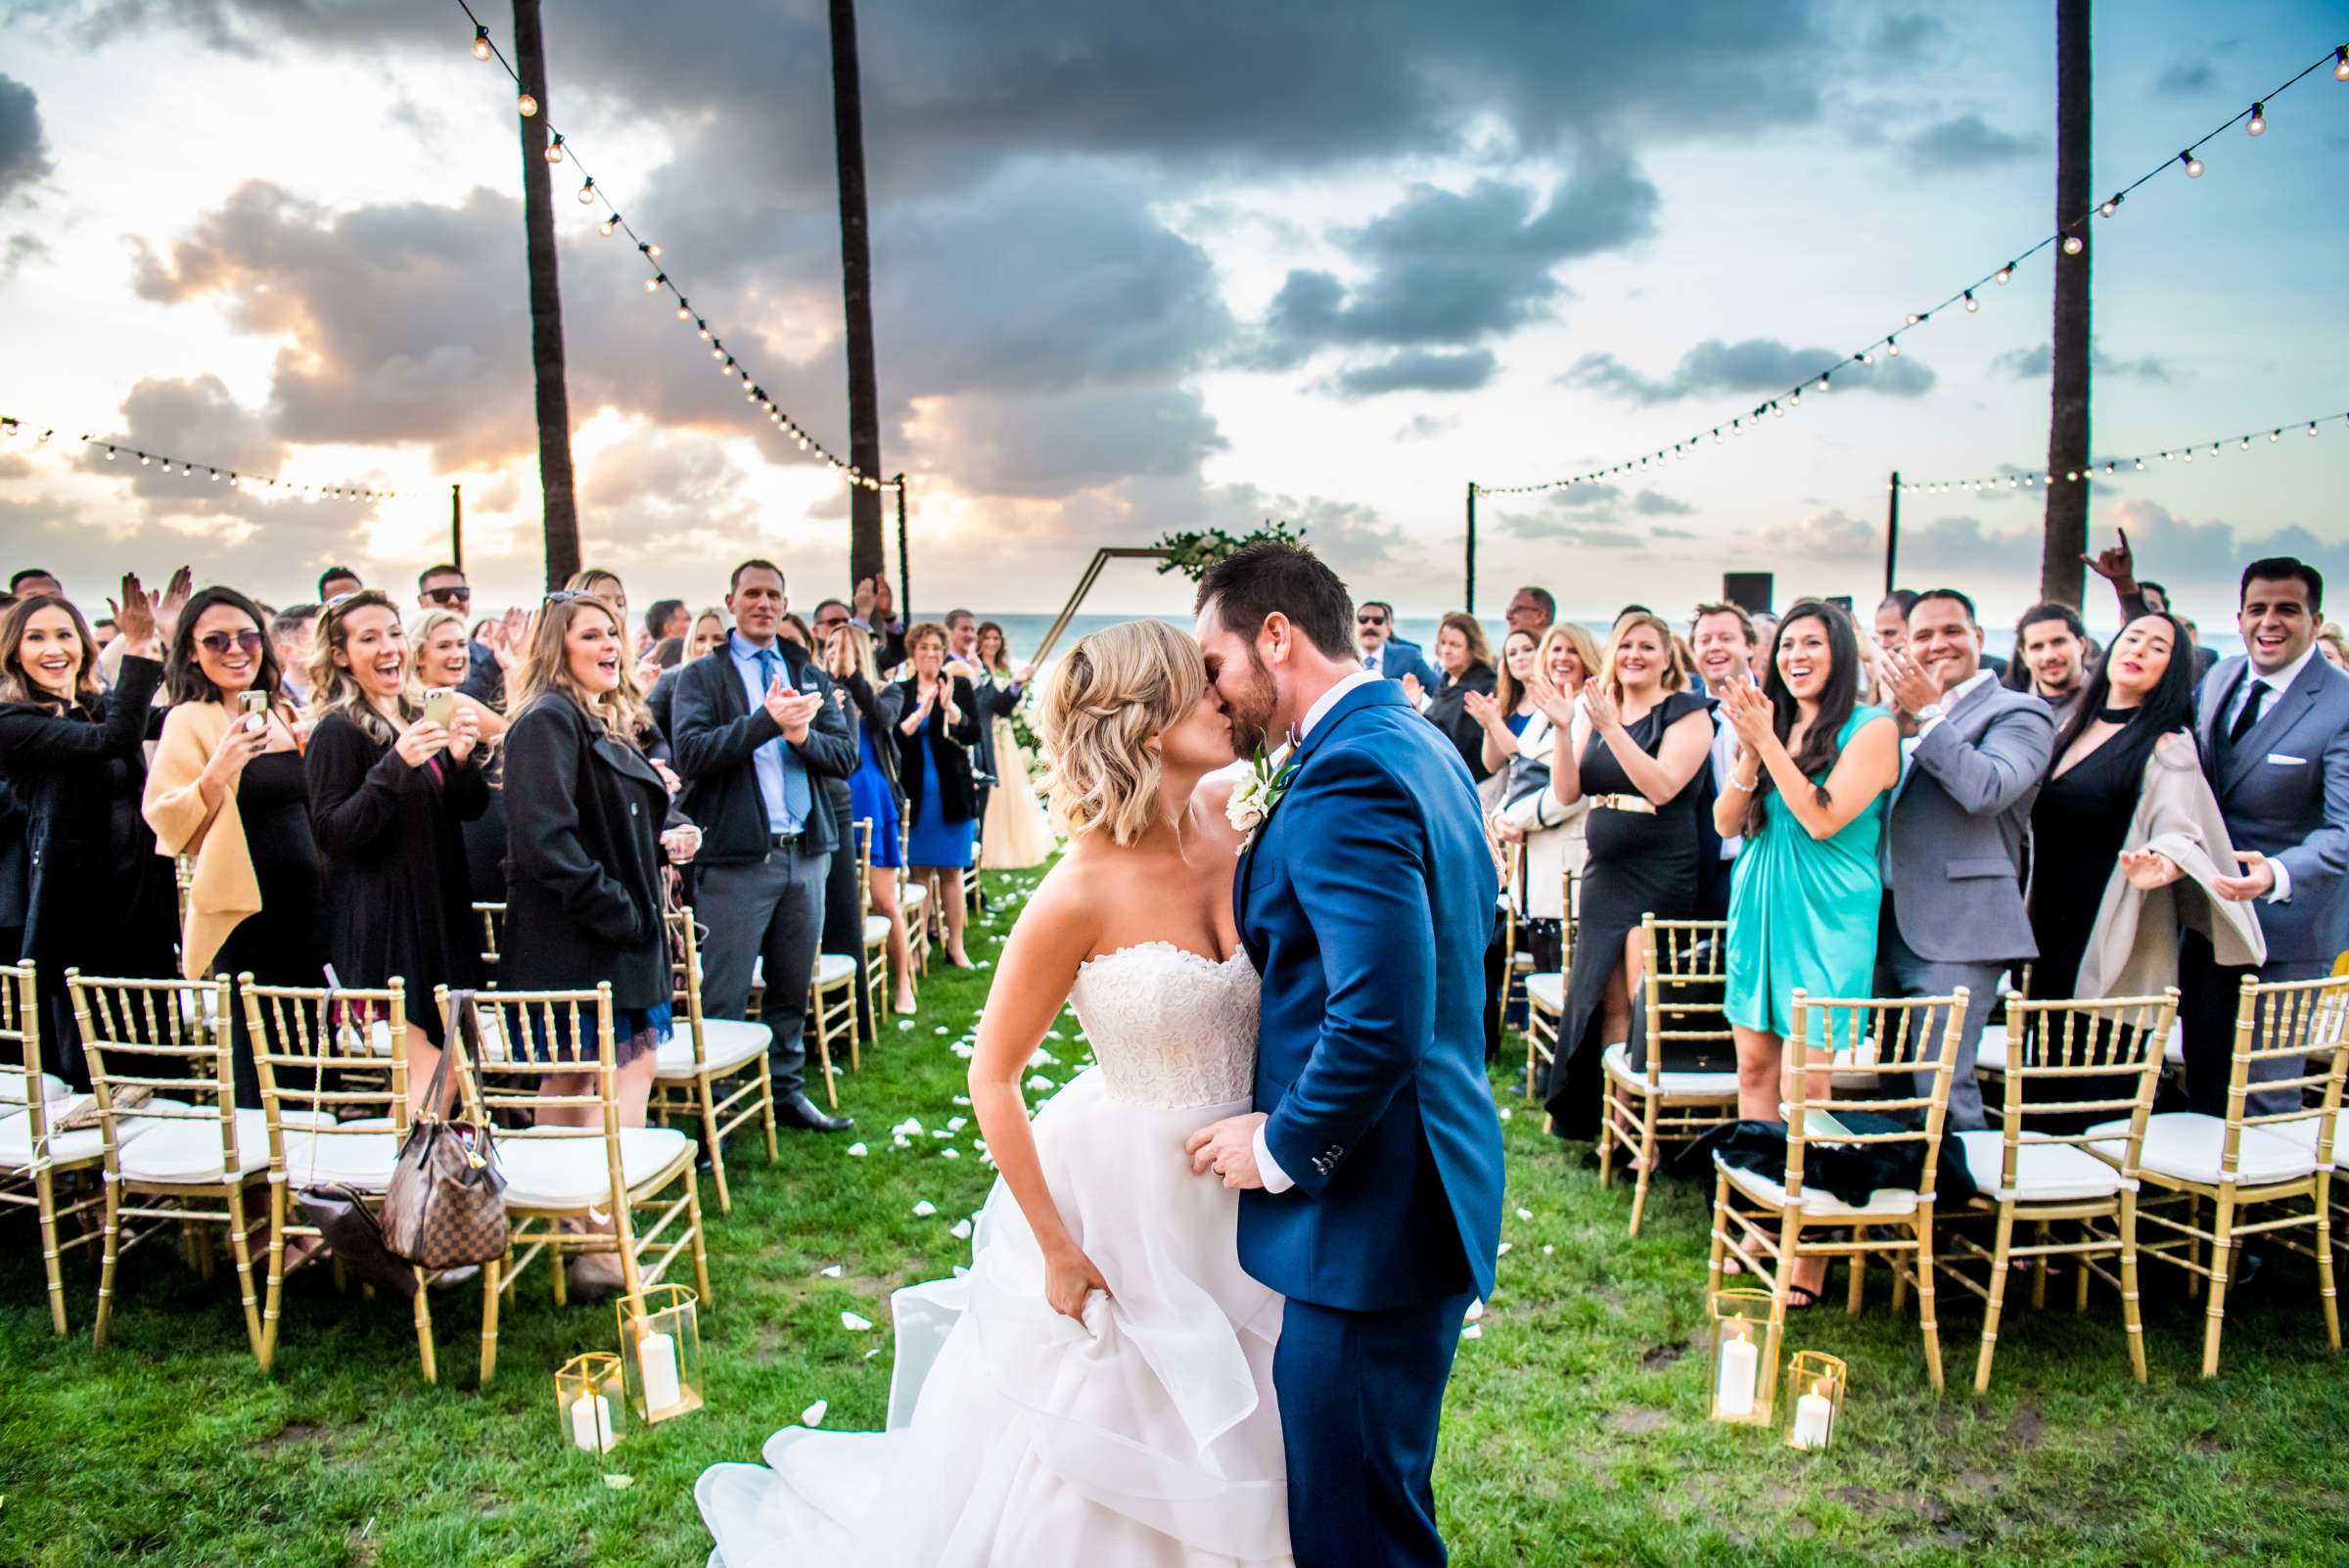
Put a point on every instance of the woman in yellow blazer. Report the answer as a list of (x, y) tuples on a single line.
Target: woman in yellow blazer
[(227, 788)]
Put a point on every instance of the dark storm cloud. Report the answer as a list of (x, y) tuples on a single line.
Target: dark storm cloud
[(1418, 370), (23, 145), (1051, 445), (1761, 366)]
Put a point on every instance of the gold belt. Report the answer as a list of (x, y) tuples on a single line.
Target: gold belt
[(1639, 804)]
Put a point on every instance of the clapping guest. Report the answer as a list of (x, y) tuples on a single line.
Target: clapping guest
[(940, 724), (443, 659), (1805, 793), (1532, 811), (1013, 832), (229, 788), (1503, 716), (873, 787), (95, 894), (1636, 748), (1466, 662), (391, 787), (1724, 643)]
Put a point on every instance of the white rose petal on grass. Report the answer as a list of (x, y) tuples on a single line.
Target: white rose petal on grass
[(1040, 1085), (1504, 1249), (955, 1123), (875, 1351), (961, 1230), (950, 1154), (854, 1324), (1473, 1331), (1506, 1112), (830, 1270), (924, 1208), (857, 1151), (1476, 1311), (905, 1023), (1548, 1248), (814, 1415), (902, 1141), (939, 1132), (962, 1099), (1525, 1214), (942, 1030)]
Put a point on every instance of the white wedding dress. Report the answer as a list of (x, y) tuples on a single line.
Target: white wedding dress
[(1145, 1437)]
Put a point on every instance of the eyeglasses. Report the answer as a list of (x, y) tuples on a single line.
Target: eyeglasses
[(562, 596), (450, 595), (1369, 620), (830, 623), (218, 643)]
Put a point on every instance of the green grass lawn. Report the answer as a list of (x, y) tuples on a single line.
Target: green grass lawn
[(1575, 1432)]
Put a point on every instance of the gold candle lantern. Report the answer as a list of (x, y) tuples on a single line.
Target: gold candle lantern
[(1814, 1385), (1744, 1373), (591, 1402), (661, 1352)]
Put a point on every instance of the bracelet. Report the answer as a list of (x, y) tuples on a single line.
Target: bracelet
[(1744, 786)]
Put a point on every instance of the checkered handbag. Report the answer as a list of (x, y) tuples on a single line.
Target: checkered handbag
[(446, 1203)]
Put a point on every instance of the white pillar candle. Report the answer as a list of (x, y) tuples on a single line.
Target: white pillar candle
[(1811, 1414), (657, 1360), (591, 1423), (1740, 1371)]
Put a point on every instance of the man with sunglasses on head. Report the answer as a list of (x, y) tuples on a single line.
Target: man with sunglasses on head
[(1384, 653)]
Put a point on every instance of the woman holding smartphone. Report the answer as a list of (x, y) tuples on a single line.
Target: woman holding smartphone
[(442, 661), (393, 780), (227, 786)]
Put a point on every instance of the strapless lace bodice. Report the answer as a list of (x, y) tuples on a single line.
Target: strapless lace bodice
[(1168, 1027)]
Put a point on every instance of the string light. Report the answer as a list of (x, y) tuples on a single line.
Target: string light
[(526, 104), (2111, 465), (558, 148), (2341, 64), (11, 426), (2067, 239)]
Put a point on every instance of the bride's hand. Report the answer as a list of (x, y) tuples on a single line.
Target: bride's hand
[(1070, 1278)]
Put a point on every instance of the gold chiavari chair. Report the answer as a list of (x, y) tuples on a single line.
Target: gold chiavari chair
[(1879, 1047), (2068, 1060), (713, 1069), (876, 931), (1546, 995), (586, 1173), (1684, 993), (1514, 965), (42, 1162), (2209, 1175), (194, 1160), (494, 924), (832, 1013), (913, 900), (974, 885), (334, 1113)]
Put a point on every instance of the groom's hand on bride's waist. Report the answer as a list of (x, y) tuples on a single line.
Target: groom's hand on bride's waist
[(1229, 1149)]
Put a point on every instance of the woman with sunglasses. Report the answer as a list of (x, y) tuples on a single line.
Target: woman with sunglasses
[(74, 756), (228, 788)]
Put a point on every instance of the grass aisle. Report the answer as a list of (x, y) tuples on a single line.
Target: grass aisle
[(1574, 1434)]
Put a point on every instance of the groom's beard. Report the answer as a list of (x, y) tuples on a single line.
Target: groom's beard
[(1252, 711)]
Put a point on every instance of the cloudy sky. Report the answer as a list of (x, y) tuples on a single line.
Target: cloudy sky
[(1143, 267)]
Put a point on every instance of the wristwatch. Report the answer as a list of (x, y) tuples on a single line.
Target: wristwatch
[(1928, 713)]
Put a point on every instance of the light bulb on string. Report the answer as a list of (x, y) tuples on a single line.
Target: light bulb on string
[(145, 460), (2140, 464), (1822, 380), (717, 351), (650, 248), (2073, 245), (110, 451), (2257, 125), (2004, 274), (1864, 357), (2194, 165), (608, 225), (2275, 436), (684, 313), (1892, 347), (2246, 443), (2112, 204), (480, 41), (587, 191), (652, 285), (1973, 304), (2340, 63), (2312, 429), (526, 106), (554, 149)]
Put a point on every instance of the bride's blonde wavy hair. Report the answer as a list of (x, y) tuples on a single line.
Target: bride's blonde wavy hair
[(1116, 689)]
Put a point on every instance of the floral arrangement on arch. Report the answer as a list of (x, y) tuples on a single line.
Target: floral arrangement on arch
[(1195, 550)]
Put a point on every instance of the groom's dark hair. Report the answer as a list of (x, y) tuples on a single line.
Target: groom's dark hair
[(1257, 579)]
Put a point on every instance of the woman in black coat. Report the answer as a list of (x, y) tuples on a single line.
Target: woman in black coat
[(938, 727), (97, 897), (1467, 660), (389, 794)]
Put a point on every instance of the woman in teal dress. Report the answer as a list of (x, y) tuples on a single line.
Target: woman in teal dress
[(1806, 790)]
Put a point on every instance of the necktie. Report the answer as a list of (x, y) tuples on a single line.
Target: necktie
[(2251, 713), (795, 776), (1370, 662)]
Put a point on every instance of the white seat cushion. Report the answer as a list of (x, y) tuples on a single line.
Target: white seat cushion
[(2185, 1146), (2044, 1172), (64, 1148), (545, 1171), (358, 1155), (1991, 1055), (876, 930), (11, 1086), (728, 1043), (1617, 1060), (2173, 1054), (1547, 991), (834, 968), (913, 895), (1885, 1203), (179, 1149)]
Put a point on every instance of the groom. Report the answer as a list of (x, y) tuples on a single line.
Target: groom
[(1373, 1165)]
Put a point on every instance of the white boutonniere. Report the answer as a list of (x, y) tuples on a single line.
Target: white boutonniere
[(1253, 797)]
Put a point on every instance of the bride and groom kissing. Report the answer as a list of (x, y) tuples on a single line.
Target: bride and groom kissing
[(1215, 1293)]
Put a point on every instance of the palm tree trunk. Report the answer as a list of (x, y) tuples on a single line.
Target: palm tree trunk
[(546, 306), (866, 556), (2061, 570)]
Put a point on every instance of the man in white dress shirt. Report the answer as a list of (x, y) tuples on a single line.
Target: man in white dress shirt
[(1726, 640)]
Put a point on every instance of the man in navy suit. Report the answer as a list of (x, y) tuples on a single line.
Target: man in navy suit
[(2273, 724), (1385, 654), (1371, 1166)]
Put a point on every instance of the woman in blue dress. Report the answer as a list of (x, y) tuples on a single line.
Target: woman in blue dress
[(938, 727), (873, 787), (1806, 790)]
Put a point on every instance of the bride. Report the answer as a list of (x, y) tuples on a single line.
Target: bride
[(1098, 1388)]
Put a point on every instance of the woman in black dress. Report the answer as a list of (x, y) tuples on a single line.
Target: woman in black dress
[(935, 737), (1466, 662), (1638, 753), (389, 789), (96, 895), (228, 788)]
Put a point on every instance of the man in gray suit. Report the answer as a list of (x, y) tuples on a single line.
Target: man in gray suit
[(1973, 755), (2275, 730)]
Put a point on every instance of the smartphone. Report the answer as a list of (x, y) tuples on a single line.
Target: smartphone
[(440, 705), (257, 708), (1841, 600)]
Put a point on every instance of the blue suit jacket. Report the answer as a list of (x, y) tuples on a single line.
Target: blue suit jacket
[(2283, 791), (1403, 659), (1367, 902)]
